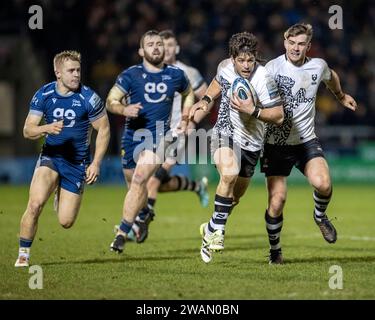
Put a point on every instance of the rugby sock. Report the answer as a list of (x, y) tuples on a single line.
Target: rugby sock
[(125, 226), (25, 246), (274, 226), (218, 220), (321, 204), (151, 203), (143, 213), (185, 183), (25, 243)]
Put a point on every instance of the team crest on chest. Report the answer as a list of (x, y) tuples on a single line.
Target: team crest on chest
[(76, 103), (314, 77)]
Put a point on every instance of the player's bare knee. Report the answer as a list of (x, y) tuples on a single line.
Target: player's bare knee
[(66, 224), (323, 185), (35, 207), (139, 179)]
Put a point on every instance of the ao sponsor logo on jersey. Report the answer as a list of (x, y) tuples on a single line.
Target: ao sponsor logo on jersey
[(153, 88), (62, 114)]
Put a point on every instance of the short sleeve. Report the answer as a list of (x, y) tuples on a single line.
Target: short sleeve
[(124, 81), (270, 68), (36, 104), (95, 107), (326, 72), (269, 94)]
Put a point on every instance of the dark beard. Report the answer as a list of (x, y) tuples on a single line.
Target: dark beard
[(155, 61)]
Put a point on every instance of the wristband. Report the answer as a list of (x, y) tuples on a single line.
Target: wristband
[(256, 112), (207, 98), (342, 95)]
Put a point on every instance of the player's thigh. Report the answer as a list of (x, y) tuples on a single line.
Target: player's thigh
[(42, 185), (69, 204), (317, 172)]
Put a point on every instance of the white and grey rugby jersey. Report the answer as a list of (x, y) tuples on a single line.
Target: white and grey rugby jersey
[(298, 87), (196, 80), (247, 131)]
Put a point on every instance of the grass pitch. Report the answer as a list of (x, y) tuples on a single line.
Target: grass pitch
[(77, 263)]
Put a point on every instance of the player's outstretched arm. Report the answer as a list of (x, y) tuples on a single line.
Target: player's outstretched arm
[(114, 104), (102, 140), (335, 87), (32, 130)]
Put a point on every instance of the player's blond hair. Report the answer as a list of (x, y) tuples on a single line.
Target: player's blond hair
[(299, 28), (66, 55)]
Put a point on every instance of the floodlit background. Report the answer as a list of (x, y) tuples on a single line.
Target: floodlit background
[(77, 263)]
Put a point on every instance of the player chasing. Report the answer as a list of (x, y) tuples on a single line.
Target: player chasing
[(294, 143), (148, 89), (162, 181), (69, 110), (237, 137)]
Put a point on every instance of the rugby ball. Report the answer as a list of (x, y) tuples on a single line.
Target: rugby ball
[(243, 88)]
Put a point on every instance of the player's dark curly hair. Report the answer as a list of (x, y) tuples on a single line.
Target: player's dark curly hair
[(244, 42)]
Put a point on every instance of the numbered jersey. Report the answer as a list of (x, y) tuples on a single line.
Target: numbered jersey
[(77, 110), (155, 91), (298, 87)]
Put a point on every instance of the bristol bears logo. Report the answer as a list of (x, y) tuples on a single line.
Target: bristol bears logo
[(314, 77)]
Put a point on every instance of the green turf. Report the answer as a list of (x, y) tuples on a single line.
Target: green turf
[(77, 263)]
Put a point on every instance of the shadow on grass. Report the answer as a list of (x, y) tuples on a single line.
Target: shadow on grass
[(199, 238), (121, 259), (365, 259)]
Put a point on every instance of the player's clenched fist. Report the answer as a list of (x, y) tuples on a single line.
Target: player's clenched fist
[(55, 127), (200, 105), (132, 110)]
